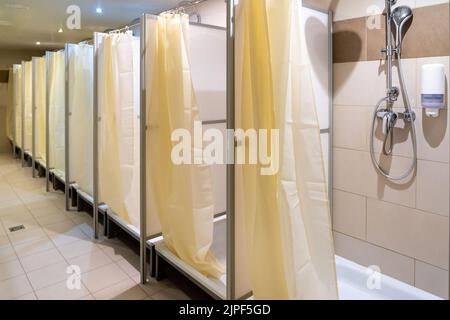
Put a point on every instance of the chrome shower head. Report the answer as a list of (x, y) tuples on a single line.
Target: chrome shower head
[(401, 15)]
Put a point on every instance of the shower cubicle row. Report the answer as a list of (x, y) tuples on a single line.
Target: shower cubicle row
[(96, 120)]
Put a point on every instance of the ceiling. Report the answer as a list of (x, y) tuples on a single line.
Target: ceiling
[(25, 22)]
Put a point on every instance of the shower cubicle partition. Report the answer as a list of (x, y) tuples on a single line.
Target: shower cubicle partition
[(204, 73), (55, 151), (116, 130), (252, 262), (39, 117), (79, 123)]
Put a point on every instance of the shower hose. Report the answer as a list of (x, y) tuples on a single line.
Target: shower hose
[(376, 164)]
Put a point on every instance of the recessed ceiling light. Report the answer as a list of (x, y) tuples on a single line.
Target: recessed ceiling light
[(99, 10), (60, 30), (38, 43)]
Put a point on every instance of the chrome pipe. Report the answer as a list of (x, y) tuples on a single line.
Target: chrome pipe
[(389, 48)]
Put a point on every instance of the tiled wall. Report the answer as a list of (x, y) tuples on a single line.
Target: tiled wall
[(401, 227)]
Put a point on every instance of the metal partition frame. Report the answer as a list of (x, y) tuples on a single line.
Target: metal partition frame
[(47, 119), (231, 265), (143, 154), (23, 114), (331, 114), (33, 117), (328, 131), (95, 135), (66, 127), (14, 111)]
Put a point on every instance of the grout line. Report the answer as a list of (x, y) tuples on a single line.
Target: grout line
[(395, 156), (376, 245), (419, 211)]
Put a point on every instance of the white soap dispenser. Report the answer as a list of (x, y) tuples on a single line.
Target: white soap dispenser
[(433, 89)]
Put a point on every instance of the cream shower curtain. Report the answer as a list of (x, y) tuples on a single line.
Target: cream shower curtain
[(10, 107), (56, 123), (119, 89), (17, 70), (182, 194), (81, 67), (287, 215), (27, 108), (39, 75)]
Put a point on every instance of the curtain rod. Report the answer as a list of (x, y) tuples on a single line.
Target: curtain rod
[(180, 8), (187, 5), (135, 23)]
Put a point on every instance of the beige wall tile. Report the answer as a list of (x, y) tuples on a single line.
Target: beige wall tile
[(433, 190), (424, 3), (417, 234), (358, 83), (351, 171), (433, 136), (431, 279), (354, 172), (351, 127), (364, 83), (410, 75), (349, 214), (401, 192), (391, 263)]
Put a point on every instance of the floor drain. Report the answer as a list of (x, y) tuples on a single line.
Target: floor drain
[(17, 228)]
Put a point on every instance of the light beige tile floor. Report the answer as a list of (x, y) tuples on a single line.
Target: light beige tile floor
[(34, 262)]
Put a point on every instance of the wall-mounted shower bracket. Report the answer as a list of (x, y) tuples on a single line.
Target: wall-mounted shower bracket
[(392, 94)]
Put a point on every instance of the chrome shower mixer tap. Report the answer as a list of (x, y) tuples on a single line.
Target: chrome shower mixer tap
[(384, 110)]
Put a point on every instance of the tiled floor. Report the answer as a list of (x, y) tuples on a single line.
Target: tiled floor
[(35, 261)]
